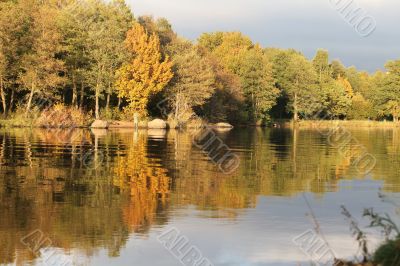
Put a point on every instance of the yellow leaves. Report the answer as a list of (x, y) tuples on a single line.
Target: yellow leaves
[(145, 180), (346, 85), (146, 73)]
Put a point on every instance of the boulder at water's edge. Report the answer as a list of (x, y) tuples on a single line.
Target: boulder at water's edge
[(157, 124), (99, 124), (223, 125)]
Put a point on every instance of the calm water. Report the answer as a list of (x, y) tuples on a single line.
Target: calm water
[(104, 197)]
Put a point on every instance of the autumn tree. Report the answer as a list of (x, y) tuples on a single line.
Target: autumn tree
[(337, 69), (146, 73), (15, 24), (40, 65)]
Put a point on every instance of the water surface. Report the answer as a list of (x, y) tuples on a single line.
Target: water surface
[(104, 197)]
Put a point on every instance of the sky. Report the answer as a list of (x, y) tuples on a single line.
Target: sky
[(305, 25)]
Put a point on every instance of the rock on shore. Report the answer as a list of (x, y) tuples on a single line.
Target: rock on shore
[(157, 124), (99, 124), (222, 125)]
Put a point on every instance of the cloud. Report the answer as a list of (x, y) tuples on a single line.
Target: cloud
[(301, 24)]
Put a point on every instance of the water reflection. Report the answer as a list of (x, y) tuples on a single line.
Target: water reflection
[(95, 191)]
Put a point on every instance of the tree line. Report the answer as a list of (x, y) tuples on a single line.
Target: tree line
[(95, 56)]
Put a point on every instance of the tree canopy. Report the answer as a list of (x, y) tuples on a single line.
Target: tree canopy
[(95, 56)]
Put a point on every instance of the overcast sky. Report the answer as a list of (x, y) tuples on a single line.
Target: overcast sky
[(305, 25)]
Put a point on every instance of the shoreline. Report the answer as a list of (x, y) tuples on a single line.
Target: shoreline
[(302, 124)]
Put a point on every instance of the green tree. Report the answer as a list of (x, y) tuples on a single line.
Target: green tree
[(227, 102), (298, 80), (360, 108), (321, 64), (239, 56), (106, 32), (337, 98), (192, 85), (389, 93), (255, 72), (74, 20), (161, 27)]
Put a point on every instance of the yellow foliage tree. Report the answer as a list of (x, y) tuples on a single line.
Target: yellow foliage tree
[(146, 73), (346, 85)]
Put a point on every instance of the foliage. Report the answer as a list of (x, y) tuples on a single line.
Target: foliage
[(360, 236), (62, 116), (388, 254), (321, 64), (227, 102), (240, 57), (390, 90), (106, 32), (360, 108), (299, 83), (258, 83), (161, 27), (147, 73), (338, 98), (40, 66), (192, 85), (94, 55)]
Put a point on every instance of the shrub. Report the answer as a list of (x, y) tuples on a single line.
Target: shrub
[(116, 114), (62, 116), (388, 254)]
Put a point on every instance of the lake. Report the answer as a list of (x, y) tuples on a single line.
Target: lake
[(96, 197)]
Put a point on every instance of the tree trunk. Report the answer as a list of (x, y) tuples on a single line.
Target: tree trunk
[(3, 96), (11, 100), (97, 107), (136, 120), (108, 101), (177, 109), (119, 103), (295, 108), (97, 114), (254, 107), (294, 162), (82, 95), (74, 91), (28, 105)]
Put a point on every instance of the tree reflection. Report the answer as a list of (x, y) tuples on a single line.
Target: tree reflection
[(130, 182)]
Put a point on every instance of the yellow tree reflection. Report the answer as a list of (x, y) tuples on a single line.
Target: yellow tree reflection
[(146, 181)]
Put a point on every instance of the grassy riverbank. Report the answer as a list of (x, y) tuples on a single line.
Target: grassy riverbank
[(310, 124)]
